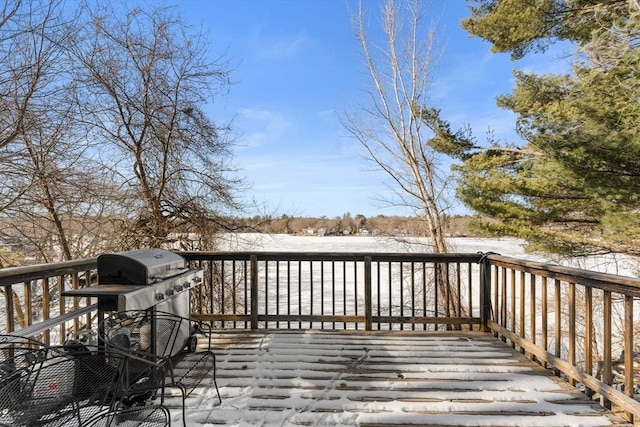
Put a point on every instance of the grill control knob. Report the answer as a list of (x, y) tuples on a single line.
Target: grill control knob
[(159, 296), (170, 292), (186, 285), (178, 287)]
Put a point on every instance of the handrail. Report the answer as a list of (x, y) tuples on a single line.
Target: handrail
[(13, 275), (606, 281)]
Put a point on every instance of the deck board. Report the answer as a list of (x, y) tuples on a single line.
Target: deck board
[(382, 379)]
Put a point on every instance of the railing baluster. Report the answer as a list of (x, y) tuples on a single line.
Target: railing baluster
[(436, 278), (87, 282), (629, 374), (572, 327), (333, 292), (424, 293), (389, 268), (46, 301), (513, 303), (458, 308), (532, 311), (76, 301), (607, 377), (523, 299), (27, 314), (558, 321), (588, 336), (344, 291), (401, 287), (355, 290), (322, 313), (246, 286), (254, 291), (447, 287), (544, 312), (413, 294), (266, 292), (367, 293), (469, 288), (496, 295), (503, 297), (234, 295), (288, 293), (62, 307), (300, 292), (311, 292), (221, 289), (278, 293)]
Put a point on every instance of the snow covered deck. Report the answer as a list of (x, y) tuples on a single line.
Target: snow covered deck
[(343, 378)]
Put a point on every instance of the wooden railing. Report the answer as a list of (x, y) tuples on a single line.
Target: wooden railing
[(576, 322), (32, 303), (580, 323), (339, 291)]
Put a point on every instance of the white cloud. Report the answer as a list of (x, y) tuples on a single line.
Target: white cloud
[(284, 48), (262, 126)]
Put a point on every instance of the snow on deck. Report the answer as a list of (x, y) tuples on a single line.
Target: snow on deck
[(339, 378)]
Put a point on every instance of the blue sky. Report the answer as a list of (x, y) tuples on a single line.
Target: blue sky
[(296, 67)]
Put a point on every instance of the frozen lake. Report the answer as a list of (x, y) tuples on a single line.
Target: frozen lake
[(611, 263)]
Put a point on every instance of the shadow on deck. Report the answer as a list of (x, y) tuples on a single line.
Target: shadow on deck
[(331, 378)]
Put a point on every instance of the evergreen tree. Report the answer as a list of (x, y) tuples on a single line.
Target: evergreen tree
[(574, 186)]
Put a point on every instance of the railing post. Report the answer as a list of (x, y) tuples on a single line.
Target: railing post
[(8, 294), (367, 293), (485, 292), (253, 261)]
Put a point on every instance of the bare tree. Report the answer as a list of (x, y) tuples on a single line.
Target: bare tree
[(17, 83), (24, 65), (401, 134), (47, 184), (147, 82)]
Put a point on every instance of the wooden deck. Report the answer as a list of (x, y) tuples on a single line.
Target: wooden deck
[(314, 378)]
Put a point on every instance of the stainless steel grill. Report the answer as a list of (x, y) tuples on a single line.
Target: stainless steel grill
[(152, 280)]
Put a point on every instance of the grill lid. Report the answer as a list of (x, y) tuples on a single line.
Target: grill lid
[(141, 267)]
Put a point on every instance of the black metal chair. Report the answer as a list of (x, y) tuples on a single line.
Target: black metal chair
[(36, 387), (73, 384), (146, 416), (167, 339)]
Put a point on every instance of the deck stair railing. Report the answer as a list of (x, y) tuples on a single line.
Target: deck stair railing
[(579, 323)]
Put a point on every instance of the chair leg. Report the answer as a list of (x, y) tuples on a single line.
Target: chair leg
[(215, 383)]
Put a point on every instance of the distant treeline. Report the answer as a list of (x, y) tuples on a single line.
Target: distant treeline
[(350, 225)]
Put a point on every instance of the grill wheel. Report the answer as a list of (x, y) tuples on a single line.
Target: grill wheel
[(192, 344)]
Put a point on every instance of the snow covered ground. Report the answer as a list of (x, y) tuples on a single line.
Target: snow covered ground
[(325, 378)]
